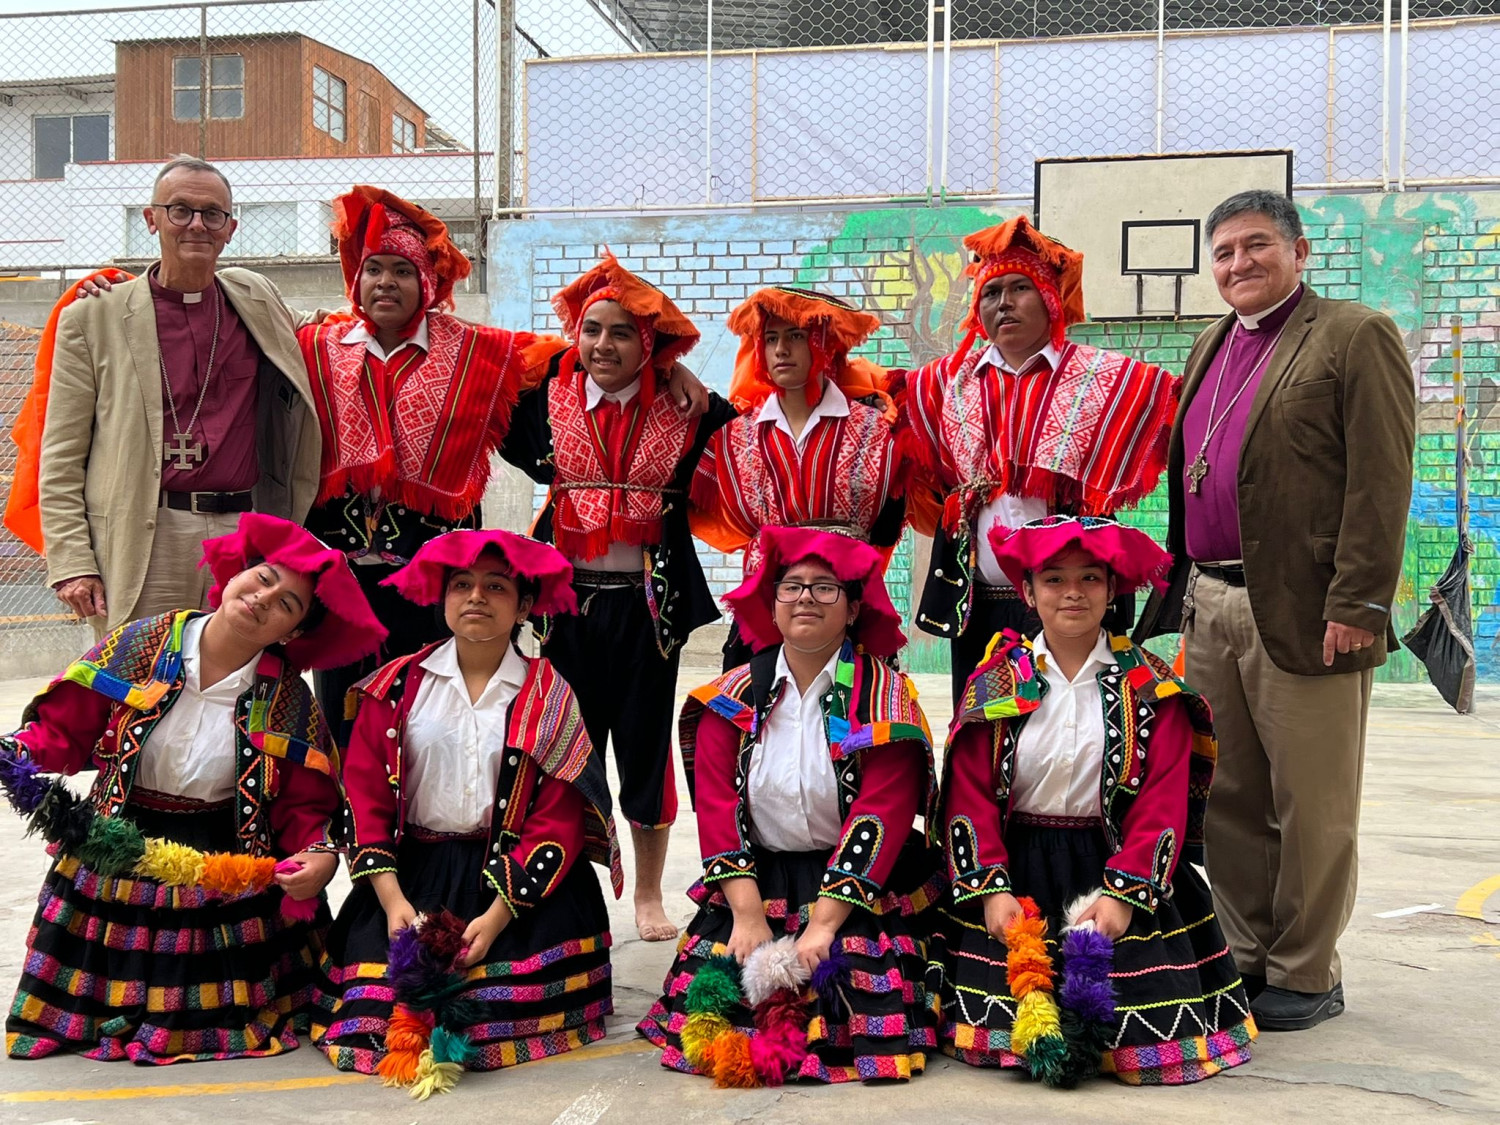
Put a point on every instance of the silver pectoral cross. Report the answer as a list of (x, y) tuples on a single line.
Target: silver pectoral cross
[(188, 456), (1196, 472)]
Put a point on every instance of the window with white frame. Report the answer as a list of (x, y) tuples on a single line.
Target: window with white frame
[(403, 134), (60, 140), (226, 87), (330, 104)]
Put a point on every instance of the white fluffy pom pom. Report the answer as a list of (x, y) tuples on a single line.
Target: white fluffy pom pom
[(770, 968), (1078, 906)]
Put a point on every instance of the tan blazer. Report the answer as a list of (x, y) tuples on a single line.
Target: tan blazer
[(100, 478), (1325, 482)]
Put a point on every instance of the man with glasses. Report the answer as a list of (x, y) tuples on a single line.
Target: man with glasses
[(178, 400)]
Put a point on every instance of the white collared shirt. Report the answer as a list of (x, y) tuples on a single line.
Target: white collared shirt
[(793, 790), (1061, 748), (1252, 321), (621, 558), (454, 745), (833, 404), (190, 751), (359, 334), (1007, 510)]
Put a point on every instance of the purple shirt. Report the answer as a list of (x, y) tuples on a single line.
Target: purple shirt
[(226, 423), (1211, 517)]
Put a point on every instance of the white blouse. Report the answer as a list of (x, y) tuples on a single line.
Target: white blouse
[(1061, 746), (190, 752), (793, 790), (453, 747)]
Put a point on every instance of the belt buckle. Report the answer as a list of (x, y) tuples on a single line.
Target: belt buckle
[(193, 503)]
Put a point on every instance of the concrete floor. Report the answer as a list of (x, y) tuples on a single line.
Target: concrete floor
[(1417, 1041)]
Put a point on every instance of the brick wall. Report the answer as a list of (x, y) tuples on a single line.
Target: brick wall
[(1420, 258)]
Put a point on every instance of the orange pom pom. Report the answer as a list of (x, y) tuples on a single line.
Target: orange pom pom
[(733, 1066), (229, 876), (407, 1031), (1028, 967), (398, 1068)]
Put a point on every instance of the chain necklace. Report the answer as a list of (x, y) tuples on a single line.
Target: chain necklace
[(189, 456), (1199, 468)]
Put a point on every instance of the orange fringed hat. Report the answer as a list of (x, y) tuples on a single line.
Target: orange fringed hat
[(1018, 247), (833, 328), (667, 333), (370, 220)]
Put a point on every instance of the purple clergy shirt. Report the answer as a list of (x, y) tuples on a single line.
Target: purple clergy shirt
[(227, 422), (1211, 517)]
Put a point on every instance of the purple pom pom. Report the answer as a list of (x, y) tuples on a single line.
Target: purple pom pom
[(830, 976), (1087, 957), (24, 786), (401, 960)]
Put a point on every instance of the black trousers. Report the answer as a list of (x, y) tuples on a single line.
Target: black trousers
[(626, 692), (411, 627)]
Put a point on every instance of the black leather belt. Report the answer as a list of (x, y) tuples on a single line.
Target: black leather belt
[(208, 503), (1231, 574)]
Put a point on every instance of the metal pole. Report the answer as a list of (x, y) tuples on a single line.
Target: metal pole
[(1385, 99), (1161, 72), (479, 215), (1405, 39), (931, 34), (204, 92), (1460, 431), (947, 88), (708, 109), (505, 103)]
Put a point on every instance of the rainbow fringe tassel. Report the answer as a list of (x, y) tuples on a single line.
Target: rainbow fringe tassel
[(113, 847), (426, 1045)]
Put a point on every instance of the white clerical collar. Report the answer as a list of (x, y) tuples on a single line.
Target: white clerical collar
[(1103, 656), (594, 394), (833, 404), (359, 334), (1252, 320), (993, 357)]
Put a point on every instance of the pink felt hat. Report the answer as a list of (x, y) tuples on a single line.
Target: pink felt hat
[(877, 628), (422, 579), (1132, 556), (348, 630)]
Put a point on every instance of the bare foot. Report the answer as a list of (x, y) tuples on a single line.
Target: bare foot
[(651, 922)]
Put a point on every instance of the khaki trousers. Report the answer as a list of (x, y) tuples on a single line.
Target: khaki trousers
[(174, 580), (1282, 831)]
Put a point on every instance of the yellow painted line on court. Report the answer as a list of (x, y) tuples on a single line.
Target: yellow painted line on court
[(187, 1090), (1471, 902), (215, 1089)]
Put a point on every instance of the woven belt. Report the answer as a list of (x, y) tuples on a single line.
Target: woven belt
[(170, 802), (987, 593), (1038, 820), (208, 503), (609, 579), (1231, 574), (429, 836), (835, 527)]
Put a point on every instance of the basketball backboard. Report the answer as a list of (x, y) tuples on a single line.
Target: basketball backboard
[(1139, 222)]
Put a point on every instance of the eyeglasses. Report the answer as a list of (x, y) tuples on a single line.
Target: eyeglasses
[(824, 593), (181, 215)]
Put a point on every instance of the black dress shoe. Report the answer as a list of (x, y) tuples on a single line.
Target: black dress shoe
[(1281, 1009), (1255, 984)]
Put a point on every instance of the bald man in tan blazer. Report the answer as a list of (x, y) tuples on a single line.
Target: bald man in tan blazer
[(119, 546)]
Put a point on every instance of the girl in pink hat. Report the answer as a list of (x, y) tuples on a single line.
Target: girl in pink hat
[(808, 766), (477, 801), (166, 929), (1074, 783)]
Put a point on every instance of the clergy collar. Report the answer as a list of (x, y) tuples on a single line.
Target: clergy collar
[(443, 661), (1103, 656), (833, 404), (174, 296), (1252, 321), (993, 357), (359, 334), (594, 394)]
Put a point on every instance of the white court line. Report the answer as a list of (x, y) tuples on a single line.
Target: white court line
[(1405, 910), (585, 1109)]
